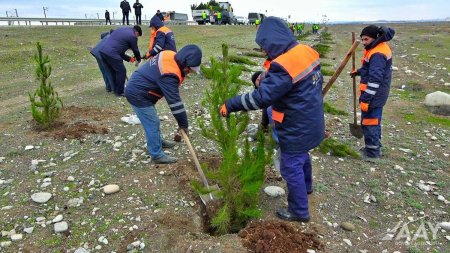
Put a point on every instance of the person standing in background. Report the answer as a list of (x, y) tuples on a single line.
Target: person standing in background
[(126, 10), (107, 17), (137, 11)]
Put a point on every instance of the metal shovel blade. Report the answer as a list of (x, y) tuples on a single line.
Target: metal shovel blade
[(208, 197), (356, 130)]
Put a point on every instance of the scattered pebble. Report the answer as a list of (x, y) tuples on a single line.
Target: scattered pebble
[(348, 226), (111, 188), (348, 242), (274, 191), (61, 227), (41, 197)]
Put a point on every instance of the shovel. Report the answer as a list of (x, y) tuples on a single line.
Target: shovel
[(355, 129), (204, 197)]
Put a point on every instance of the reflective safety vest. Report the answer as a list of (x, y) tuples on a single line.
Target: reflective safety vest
[(153, 33), (257, 22), (375, 81), (219, 15), (299, 61), (168, 65), (204, 15)]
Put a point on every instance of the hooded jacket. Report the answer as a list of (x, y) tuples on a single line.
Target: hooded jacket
[(161, 38), (376, 70), (292, 85), (119, 42), (161, 77)]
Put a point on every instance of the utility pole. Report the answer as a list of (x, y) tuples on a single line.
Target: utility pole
[(45, 9), (7, 14), (113, 14), (98, 17), (85, 15), (16, 13)]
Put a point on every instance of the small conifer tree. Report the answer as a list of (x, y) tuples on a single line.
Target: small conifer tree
[(240, 177), (45, 109)]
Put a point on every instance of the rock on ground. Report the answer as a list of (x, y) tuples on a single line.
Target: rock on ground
[(438, 103)]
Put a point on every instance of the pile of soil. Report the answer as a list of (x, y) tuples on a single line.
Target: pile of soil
[(277, 237), (76, 122)]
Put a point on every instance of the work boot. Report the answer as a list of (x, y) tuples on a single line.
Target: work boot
[(168, 144), (367, 158), (165, 159), (284, 214)]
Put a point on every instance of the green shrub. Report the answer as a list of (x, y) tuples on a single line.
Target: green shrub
[(240, 177), (242, 60), (303, 35), (322, 49), (336, 148), (326, 72), (46, 109), (254, 54), (328, 108)]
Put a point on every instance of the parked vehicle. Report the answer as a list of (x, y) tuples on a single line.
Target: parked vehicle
[(197, 16), (242, 20), (228, 18), (175, 16), (253, 16)]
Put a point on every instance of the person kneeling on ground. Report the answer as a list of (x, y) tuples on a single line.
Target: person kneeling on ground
[(157, 78)]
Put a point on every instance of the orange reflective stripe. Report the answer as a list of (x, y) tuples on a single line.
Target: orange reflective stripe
[(370, 122), (152, 38), (168, 65), (299, 61), (382, 48), (362, 86), (266, 64), (164, 30), (277, 116), (155, 94)]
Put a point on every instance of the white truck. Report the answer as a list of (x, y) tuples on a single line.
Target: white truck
[(197, 16)]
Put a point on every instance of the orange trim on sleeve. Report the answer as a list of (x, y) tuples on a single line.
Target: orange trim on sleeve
[(152, 38), (362, 86), (299, 61), (168, 65), (154, 94), (164, 30), (277, 116), (266, 64), (370, 122)]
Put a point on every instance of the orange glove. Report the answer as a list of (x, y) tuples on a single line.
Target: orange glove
[(364, 106), (224, 111), (354, 73), (132, 59)]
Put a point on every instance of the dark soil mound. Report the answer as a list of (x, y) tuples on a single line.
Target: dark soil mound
[(277, 237)]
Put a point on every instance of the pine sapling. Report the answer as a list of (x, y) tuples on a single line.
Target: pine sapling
[(241, 172), (47, 107)]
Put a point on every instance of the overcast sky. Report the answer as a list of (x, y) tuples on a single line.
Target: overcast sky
[(299, 10)]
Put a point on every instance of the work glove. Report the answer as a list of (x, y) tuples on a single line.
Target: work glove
[(364, 106), (137, 63), (223, 111), (132, 59), (354, 73)]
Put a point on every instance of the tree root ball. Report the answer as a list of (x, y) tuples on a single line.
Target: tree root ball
[(177, 138)]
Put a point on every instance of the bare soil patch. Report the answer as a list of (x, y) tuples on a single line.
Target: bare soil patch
[(277, 237)]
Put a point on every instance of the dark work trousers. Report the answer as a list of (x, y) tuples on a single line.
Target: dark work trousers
[(125, 15), (108, 20), (296, 169), (371, 126), (138, 19), (118, 73)]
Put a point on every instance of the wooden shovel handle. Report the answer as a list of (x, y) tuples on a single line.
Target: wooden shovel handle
[(354, 81), (194, 156), (340, 68)]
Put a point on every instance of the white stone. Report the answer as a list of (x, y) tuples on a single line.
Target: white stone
[(433, 138), (405, 150), (81, 250), (6, 208), (438, 99), (131, 119), (29, 147), (310, 251), (445, 225), (58, 218), (16, 237), (274, 191), (348, 242), (61, 227), (398, 167), (66, 189), (41, 197), (111, 188), (117, 144), (70, 179), (141, 245), (5, 244), (28, 230), (44, 185)]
